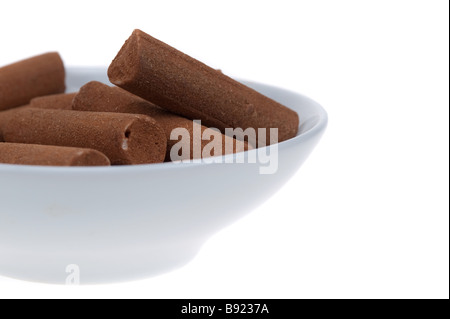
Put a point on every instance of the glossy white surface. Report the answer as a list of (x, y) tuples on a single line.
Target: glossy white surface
[(124, 223)]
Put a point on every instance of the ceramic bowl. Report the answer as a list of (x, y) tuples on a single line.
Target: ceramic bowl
[(111, 224)]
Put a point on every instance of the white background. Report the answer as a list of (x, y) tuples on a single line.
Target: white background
[(367, 215)]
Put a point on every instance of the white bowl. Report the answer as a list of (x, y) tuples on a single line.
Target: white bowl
[(123, 223)]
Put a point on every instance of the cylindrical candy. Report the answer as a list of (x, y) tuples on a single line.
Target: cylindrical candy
[(124, 138), (99, 97), (173, 80), (44, 155), (54, 101), (5, 116), (22, 81)]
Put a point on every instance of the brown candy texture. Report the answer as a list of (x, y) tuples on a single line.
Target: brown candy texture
[(125, 139), (54, 101), (5, 116), (173, 80), (99, 97), (44, 155), (22, 81)]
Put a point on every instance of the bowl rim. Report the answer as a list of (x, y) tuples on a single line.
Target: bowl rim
[(318, 128)]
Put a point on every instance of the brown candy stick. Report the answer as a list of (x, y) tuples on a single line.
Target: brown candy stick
[(124, 138), (98, 97), (54, 101), (173, 80), (44, 155), (5, 116), (30, 78)]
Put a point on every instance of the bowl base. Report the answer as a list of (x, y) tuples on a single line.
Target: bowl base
[(104, 268)]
